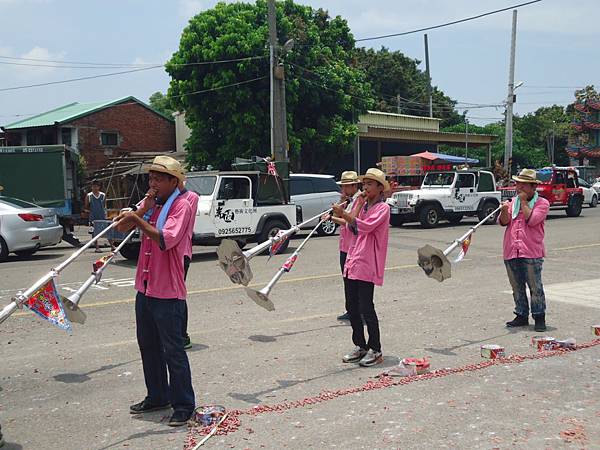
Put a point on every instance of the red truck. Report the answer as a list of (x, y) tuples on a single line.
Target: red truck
[(560, 186)]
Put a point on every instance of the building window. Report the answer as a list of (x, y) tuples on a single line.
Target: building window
[(109, 139), (65, 136)]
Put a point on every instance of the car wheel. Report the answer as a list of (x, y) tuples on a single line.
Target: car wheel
[(486, 210), (327, 228), (3, 250), (396, 220), (429, 216), (574, 207), (594, 201), (26, 253), (270, 229), (130, 251)]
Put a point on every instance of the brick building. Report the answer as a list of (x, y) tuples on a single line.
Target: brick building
[(97, 131)]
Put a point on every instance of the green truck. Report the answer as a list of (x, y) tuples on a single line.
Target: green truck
[(45, 175)]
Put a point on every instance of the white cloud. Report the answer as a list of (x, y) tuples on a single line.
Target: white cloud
[(43, 54), (189, 8)]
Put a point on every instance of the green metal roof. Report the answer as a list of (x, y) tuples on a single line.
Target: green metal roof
[(71, 112)]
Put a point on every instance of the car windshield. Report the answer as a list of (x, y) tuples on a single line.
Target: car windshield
[(201, 185), (16, 202), (438, 179), (544, 175)]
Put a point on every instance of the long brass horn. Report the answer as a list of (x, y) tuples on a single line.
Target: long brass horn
[(71, 303), (22, 297), (434, 261), (261, 297), (235, 262)]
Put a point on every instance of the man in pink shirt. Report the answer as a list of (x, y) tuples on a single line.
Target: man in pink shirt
[(350, 185), (365, 265), (524, 251), (164, 220), (192, 198)]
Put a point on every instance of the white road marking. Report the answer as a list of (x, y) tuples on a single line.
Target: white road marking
[(581, 293)]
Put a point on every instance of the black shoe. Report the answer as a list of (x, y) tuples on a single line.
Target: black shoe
[(145, 406), (179, 418), (187, 342), (540, 322), (518, 321), (344, 316)]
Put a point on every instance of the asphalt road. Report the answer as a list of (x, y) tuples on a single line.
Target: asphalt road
[(74, 392)]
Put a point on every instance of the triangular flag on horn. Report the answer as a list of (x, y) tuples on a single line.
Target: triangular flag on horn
[(464, 249), (46, 303)]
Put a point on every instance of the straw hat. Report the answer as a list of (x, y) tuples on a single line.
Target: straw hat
[(376, 175), (527, 176), (349, 177), (168, 165)]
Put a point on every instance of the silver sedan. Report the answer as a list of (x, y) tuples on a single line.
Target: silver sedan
[(25, 227)]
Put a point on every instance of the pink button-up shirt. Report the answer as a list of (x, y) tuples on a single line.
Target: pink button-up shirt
[(192, 198), (160, 267), (525, 238), (366, 257), (347, 237)]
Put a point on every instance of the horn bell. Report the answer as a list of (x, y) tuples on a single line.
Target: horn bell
[(234, 263), (261, 298), (72, 310), (434, 263)]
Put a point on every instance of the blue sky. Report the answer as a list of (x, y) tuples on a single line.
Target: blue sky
[(557, 45)]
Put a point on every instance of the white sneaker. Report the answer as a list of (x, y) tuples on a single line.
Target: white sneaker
[(371, 358)]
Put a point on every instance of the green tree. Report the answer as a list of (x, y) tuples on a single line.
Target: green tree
[(325, 92), (161, 103), (391, 73)]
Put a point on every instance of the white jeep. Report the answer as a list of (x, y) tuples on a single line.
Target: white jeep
[(245, 206), (449, 195)]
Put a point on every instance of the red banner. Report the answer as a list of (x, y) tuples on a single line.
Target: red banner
[(46, 303)]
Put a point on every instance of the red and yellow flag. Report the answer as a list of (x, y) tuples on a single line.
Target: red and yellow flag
[(46, 303)]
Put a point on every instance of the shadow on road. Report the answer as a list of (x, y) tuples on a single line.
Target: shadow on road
[(12, 446), (144, 434), (83, 377), (448, 351), (254, 397), (265, 338)]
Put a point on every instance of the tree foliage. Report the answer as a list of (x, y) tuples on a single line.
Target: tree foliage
[(161, 103), (391, 73), (531, 134), (325, 92)]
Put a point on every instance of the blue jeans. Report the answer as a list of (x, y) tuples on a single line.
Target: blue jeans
[(159, 323), (523, 272)]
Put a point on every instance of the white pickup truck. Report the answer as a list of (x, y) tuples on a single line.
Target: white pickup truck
[(245, 206), (449, 195)]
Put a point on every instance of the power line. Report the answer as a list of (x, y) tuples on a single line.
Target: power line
[(448, 23), (239, 83), (394, 98), (122, 66), (14, 88)]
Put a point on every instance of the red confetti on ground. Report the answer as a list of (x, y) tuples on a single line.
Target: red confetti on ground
[(232, 423)]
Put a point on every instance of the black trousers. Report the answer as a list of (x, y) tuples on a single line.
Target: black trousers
[(186, 265), (343, 256), (359, 302)]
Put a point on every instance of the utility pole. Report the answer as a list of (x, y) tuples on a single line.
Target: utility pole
[(466, 137), (508, 136), (398, 103), (428, 76), (279, 145)]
